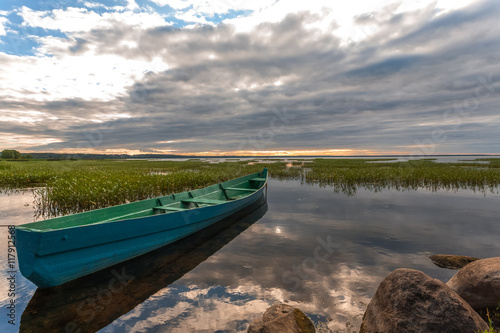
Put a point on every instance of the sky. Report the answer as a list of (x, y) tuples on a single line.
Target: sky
[(261, 77)]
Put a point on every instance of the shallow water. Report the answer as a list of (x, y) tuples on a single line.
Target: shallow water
[(15, 208), (321, 251)]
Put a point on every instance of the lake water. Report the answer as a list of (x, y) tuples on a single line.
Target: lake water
[(321, 251), (402, 158)]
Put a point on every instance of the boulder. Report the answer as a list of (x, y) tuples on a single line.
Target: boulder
[(478, 283), (451, 261), (408, 300), (282, 318)]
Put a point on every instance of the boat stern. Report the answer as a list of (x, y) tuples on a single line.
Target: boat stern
[(27, 241)]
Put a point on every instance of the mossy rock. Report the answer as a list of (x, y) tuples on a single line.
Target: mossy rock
[(282, 318), (451, 261), (303, 322)]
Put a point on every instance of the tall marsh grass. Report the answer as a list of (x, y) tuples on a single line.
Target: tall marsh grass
[(348, 175), (63, 187)]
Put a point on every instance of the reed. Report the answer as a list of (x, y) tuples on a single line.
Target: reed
[(63, 187), (98, 184), (348, 175)]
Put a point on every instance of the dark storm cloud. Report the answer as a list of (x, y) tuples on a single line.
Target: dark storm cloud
[(387, 67), (416, 74)]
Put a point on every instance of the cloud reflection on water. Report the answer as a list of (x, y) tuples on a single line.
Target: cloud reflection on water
[(376, 233)]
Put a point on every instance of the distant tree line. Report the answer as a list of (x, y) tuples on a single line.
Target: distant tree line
[(16, 155), (61, 156), (10, 154)]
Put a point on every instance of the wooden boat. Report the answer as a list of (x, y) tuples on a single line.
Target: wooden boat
[(59, 250), (146, 275)]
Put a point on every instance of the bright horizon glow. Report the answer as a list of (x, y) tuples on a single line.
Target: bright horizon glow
[(270, 153)]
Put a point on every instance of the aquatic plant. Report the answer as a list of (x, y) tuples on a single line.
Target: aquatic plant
[(62, 187), (99, 184), (348, 175)]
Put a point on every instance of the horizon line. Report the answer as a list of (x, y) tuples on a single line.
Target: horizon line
[(263, 156)]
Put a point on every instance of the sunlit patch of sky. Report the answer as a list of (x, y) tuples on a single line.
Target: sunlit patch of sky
[(21, 38)]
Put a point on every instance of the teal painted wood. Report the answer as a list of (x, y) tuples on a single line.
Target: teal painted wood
[(52, 256)]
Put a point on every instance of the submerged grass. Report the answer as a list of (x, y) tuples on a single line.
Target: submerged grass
[(73, 186)]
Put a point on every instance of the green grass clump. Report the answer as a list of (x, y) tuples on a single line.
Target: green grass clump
[(64, 187), (348, 175), (32, 173), (98, 184), (492, 318)]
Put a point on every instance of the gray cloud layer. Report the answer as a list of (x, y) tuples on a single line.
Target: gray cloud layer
[(418, 80)]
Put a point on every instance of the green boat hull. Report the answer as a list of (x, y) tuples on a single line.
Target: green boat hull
[(133, 281), (59, 250)]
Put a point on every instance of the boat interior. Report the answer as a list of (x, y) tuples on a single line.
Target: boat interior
[(213, 195)]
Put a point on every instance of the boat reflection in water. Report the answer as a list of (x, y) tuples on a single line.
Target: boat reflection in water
[(92, 302)]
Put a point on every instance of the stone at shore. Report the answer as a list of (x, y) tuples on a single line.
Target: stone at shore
[(409, 301), (282, 318), (478, 283), (451, 261)]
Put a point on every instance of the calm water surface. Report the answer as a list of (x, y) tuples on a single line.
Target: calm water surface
[(310, 247)]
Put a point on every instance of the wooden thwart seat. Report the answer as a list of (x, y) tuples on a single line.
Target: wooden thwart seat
[(241, 189), (204, 201), (169, 208), (258, 179), (190, 200)]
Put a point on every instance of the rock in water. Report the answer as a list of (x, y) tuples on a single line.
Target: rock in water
[(478, 283), (282, 318), (409, 301), (451, 261)]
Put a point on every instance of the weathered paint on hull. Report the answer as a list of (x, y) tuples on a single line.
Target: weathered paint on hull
[(53, 257)]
